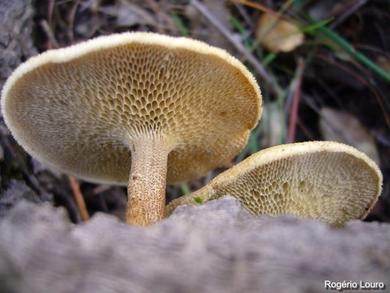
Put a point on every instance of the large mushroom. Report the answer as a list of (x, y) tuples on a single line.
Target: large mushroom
[(171, 108), (325, 180)]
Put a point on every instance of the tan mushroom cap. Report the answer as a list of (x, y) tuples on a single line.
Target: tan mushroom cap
[(328, 181), (78, 109)]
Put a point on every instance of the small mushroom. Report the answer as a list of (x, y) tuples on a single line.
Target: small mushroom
[(171, 108), (328, 181)]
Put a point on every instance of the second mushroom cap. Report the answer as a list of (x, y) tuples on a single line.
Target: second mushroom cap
[(323, 180)]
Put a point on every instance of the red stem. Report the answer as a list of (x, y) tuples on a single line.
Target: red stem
[(292, 125)]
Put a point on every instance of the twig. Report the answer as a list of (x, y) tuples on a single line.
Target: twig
[(71, 19), (78, 196), (355, 5), (361, 78), (292, 125), (100, 189), (244, 15), (270, 81), (257, 6), (162, 15), (52, 42), (50, 9)]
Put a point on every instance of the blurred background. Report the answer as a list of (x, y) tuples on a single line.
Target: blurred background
[(323, 67)]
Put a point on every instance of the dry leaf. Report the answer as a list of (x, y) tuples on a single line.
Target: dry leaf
[(278, 35), (343, 127)]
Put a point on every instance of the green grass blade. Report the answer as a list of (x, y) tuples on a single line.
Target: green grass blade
[(343, 44), (185, 189), (183, 30)]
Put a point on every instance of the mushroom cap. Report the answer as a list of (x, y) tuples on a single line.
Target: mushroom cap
[(325, 180), (80, 109)]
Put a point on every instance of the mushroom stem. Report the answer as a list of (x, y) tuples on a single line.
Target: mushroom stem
[(146, 189)]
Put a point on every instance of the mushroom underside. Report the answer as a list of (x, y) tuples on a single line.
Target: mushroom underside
[(172, 108), (332, 186)]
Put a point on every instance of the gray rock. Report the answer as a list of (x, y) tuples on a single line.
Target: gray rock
[(216, 247), (17, 191), (16, 18)]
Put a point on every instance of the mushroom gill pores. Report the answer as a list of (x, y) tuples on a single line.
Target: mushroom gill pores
[(171, 108), (324, 180)]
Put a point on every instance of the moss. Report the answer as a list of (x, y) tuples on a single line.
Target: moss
[(198, 200)]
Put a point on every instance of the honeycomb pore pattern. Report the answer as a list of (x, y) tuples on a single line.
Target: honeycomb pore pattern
[(321, 180), (82, 115), (328, 181)]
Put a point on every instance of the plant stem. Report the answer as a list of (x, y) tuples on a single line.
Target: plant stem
[(79, 198)]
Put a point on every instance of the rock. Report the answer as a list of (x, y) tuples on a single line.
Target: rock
[(16, 19), (216, 247), (17, 191), (16, 45)]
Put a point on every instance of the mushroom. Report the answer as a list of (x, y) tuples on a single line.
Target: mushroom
[(171, 108), (328, 181)]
